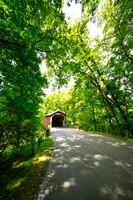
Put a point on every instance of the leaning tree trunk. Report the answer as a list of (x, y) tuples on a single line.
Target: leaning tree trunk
[(123, 115), (95, 82)]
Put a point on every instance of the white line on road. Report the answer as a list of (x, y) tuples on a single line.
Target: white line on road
[(117, 162)]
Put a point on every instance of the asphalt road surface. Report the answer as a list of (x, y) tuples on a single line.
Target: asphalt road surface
[(86, 166)]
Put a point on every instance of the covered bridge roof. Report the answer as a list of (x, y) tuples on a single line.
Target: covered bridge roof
[(53, 113)]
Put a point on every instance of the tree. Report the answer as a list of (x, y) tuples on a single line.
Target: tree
[(55, 101), (107, 65), (28, 30)]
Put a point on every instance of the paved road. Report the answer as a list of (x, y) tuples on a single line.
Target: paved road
[(87, 166)]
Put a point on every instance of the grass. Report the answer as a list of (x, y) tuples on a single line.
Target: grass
[(22, 174), (114, 136)]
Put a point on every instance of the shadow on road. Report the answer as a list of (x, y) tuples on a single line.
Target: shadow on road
[(84, 166)]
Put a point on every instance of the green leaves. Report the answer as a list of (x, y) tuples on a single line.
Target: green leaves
[(27, 27), (101, 68), (105, 62)]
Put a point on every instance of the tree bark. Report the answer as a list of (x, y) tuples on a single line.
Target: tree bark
[(33, 148), (93, 113), (110, 123), (39, 142)]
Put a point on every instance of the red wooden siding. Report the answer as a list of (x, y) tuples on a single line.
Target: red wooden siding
[(47, 120)]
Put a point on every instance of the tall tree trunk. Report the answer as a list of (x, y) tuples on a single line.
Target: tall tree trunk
[(93, 113), (109, 106), (33, 146), (115, 117), (95, 82), (114, 101), (124, 115), (110, 123)]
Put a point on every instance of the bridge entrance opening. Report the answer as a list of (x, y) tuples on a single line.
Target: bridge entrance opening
[(57, 120)]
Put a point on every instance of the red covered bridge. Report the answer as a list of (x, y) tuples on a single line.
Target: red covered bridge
[(55, 119)]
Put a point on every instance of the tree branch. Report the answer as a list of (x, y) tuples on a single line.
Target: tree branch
[(49, 51), (24, 46), (91, 78), (121, 42), (12, 42), (50, 38)]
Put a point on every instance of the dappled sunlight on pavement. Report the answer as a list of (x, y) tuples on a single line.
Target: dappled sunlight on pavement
[(87, 167), (69, 183)]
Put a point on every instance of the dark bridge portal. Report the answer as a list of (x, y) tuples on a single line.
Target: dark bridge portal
[(57, 120)]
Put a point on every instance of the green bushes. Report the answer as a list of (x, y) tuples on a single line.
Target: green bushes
[(21, 174)]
